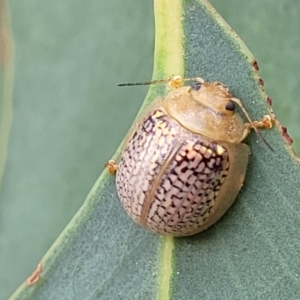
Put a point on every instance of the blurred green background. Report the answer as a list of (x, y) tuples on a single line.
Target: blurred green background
[(69, 117)]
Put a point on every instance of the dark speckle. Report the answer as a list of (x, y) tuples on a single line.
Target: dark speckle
[(286, 135), (260, 81), (255, 65), (269, 101)]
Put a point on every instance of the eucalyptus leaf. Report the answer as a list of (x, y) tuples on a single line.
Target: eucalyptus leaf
[(63, 110), (251, 253), (270, 29)]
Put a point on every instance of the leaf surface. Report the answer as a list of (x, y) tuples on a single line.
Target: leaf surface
[(248, 254)]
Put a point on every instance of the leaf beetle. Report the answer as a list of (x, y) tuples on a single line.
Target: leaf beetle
[(184, 161)]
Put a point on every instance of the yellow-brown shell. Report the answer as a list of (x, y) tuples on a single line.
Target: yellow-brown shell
[(183, 162)]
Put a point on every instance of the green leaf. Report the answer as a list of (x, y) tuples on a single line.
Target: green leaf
[(249, 254), (271, 31), (59, 82)]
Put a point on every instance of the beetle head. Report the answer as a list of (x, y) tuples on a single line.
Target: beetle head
[(215, 96), (206, 108)]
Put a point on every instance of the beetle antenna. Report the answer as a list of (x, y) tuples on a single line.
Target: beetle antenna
[(143, 83), (239, 103), (175, 81)]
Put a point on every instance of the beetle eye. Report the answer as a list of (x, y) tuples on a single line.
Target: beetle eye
[(196, 86), (230, 106)]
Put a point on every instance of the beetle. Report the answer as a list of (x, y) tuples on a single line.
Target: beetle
[(184, 161)]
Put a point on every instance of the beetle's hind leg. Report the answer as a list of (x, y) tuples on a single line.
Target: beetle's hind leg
[(111, 166)]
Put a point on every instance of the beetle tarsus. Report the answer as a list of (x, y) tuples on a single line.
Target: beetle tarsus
[(111, 166), (266, 122)]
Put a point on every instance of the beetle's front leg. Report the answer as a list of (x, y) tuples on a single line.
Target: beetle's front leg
[(266, 122), (111, 166)]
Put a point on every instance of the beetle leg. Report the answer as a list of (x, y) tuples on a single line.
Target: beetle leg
[(111, 166), (177, 81), (266, 122), (247, 129)]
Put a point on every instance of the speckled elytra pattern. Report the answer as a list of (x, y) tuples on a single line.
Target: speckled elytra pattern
[(168, 178)]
